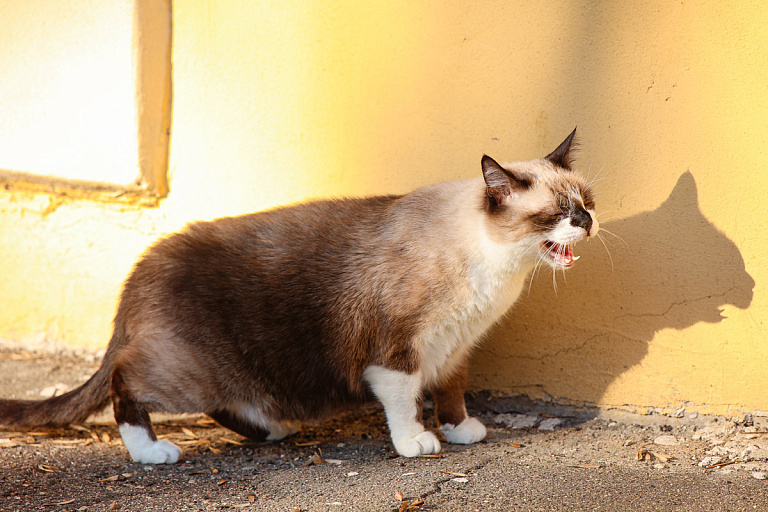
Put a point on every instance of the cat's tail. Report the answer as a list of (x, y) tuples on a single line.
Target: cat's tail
[(73, 407)]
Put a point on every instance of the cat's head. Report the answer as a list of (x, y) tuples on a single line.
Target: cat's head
[(542, 202)]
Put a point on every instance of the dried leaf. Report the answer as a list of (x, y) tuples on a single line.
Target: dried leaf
[(399, 496), (80, 428), (452, 473), (67, 441), (105, 438), (113, 506), (644, 454), (214, 450), (431, 456), (415, 505), (110, 479), (189, 433), (585, 466), (316, 460), (88, 442), (222, 482), (242, 505), (663, 457), (59, 503), (308, 443), (514, 445), (231, 441), (720, 464), (95, 437), (127, 475), (251, 498), (47, 469)]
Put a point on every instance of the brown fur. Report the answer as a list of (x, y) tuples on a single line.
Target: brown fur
[(285, 309)]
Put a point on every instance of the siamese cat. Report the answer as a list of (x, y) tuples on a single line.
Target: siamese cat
[(264, 320)]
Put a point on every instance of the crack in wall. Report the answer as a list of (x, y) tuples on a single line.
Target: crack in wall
[(678, 303)]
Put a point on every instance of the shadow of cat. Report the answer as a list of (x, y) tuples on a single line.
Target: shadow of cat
[(671, 269)]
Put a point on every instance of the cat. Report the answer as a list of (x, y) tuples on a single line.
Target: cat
[(264, 320)]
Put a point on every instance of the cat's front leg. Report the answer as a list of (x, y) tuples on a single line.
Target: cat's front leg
[(400, 393), (455, 424)]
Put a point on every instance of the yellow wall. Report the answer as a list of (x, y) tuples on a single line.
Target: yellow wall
[(276, 103)]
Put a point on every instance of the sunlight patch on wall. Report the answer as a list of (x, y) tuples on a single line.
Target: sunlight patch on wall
[(68, 90)]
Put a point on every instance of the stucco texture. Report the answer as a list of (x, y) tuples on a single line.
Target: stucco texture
[(275, 103)]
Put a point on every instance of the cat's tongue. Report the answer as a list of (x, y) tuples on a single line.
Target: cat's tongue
[(562, 254)]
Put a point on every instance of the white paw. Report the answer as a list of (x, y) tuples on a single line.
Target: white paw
[(281, 429), (467, 432), (146, 451), (160, 452), (422, 444)]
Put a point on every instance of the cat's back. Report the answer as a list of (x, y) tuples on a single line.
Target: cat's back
[(285, 232)]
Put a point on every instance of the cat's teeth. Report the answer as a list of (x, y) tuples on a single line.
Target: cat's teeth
[(574, 258)]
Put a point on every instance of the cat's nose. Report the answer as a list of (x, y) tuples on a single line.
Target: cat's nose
[(582, 219)]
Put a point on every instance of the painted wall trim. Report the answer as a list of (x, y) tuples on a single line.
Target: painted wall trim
[(152, 41)]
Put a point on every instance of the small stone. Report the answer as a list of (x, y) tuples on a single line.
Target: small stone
[(550, 424), (516, 421), (719, 450), (55, 390), (759, 475), (460, 480), (666, 440), (660, 465), (709, 461)]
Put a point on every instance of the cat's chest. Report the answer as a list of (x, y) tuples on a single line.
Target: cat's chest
[(485, 299)]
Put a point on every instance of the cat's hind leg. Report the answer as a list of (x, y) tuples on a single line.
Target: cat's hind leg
[(241, 420), (136, 429), (455, 424), (400, 393), (234, 423)]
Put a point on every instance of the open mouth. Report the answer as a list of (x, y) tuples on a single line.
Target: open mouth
[(561, 254)]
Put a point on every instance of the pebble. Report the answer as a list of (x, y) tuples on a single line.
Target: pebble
[(54, 390), (550, 424), (665, 440), (460, 480), (516, 421), (708, 461), (760, 475)]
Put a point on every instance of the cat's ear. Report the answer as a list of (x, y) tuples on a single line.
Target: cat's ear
[(502, 185), (561, 157)]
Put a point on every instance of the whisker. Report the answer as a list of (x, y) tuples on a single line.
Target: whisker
[(595, 180), (614, 235), (606, 250)]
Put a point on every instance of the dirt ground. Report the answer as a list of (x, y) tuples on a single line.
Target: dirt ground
[(534, 458)]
